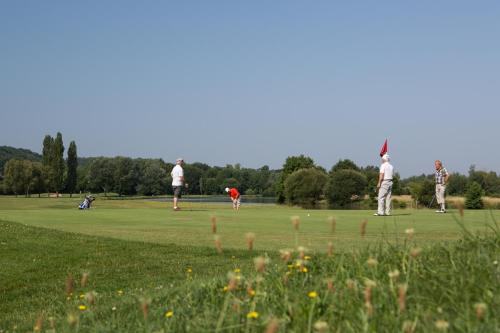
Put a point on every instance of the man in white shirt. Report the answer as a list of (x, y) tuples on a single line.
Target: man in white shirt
[(177, 181), (384, 187)]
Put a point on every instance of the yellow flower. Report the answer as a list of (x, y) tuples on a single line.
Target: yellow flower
[(304, 270), (307, 258), (82, 296), (189, 270), (225, 288), (253, 315), (82, 307), (251, 293), (120, 292), (169, 314), (237, 270), (312, 294), (290, 266)]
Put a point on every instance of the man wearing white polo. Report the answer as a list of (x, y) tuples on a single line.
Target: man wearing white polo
[(442, 176), (177, 180), (384, 187)]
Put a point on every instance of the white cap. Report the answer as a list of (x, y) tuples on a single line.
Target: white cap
[(179, 160), (226, 189), (386, 157)]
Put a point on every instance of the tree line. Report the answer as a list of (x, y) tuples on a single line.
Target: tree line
[(300, 181)]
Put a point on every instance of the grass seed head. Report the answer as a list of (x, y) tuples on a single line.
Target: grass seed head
[(409, 233), (250, 237), (72, 320), (260, 264), (38, 324), (333, 224), (409, 326), (415, 252), (363, 227), (84, 280), (286, 255), (145, 302), (330, 249), (442, 325), (218, 244), (321, 326), (480, 310), (350, 284), (296, 222), (402, 288), (70, 285), (394, 275), (213, 219), (90, 297), (273, 326), (372, 262)]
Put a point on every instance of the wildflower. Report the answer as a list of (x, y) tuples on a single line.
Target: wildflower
[(321, 326), (495, 262), (304, 270), (189, 270), (84, 280), (38, 324), (372, 262), (290, 266), (409, 326), (394, 275), (225, 288), (70, 284), (307, 257), (82, 296), (90, 297), (237, 270), (169, 314), (442, 325), (218, 244), (253, 315), (286, 255), (333, 223), (329, 285), (330, 249), (409, 232), (273, 326), (233, 257), (250, 292), (120, 292), (214, 224), (113, 308), (82, 307), (233, 282), (415, 252), (351, 284), (480, 310), (250, 237), (312, 294), (72, 320), (296, 222), (145, 307), (402, 297), (363, 228), (260, 264), (302, 251)]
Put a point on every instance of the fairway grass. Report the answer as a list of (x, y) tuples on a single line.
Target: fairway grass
[(156, 222)]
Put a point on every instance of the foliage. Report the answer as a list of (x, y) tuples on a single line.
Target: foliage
[(305, 187), (18, 176), (57, 164), (7, 153), (423, 192), (292, 164), (344, 165), (473, 196), (344, 187), (72, 166), (457, 184)]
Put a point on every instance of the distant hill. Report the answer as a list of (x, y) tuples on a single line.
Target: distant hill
[(7, 153)]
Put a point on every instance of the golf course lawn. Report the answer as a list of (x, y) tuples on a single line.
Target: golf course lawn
[(155, 270), (152, 221)]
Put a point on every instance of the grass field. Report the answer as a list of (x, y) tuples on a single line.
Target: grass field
[(154, 270)]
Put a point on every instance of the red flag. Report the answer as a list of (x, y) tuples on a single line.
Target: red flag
[(384, 149)]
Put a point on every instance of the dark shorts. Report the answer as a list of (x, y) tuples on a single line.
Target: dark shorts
[(177, 191)]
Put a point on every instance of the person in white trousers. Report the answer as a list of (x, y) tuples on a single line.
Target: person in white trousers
[(384, 187)]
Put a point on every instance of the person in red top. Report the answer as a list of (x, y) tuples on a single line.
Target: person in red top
[(235, 197)]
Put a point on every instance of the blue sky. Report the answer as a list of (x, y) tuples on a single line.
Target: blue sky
[(254, 82)]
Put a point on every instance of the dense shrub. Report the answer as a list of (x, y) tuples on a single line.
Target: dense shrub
[(423, 191), (344, 187), (473, 196), (305, 187)]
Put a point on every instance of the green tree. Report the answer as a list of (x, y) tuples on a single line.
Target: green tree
[(47, 155), (457, 184), (126, 175), (153, 178), (72, 166), (305, 187), (344, 187), (473, 196), (100, 176), (18, 176), (38, 178), (292, 164), (423, 191), (58, 165), (344, 165)]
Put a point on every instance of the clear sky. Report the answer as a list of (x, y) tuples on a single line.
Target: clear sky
[(253, 82)]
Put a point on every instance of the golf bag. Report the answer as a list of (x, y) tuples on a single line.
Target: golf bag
[(86, 203)]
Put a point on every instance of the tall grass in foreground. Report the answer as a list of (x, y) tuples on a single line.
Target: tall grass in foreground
[(451, 287)]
